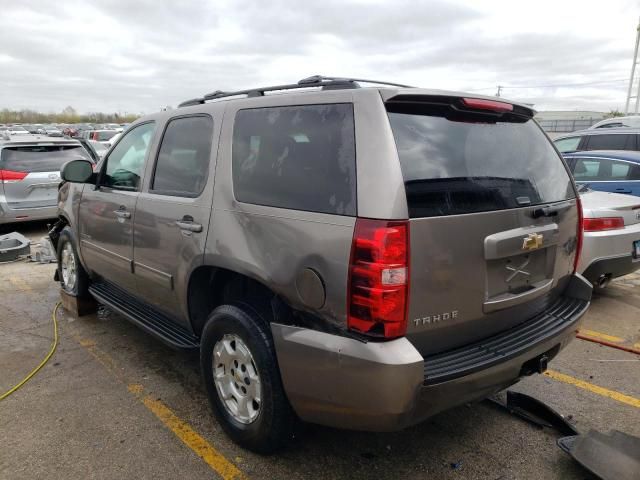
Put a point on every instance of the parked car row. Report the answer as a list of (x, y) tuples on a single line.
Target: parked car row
[(81, 129)]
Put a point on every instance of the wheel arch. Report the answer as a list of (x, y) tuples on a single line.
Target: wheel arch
[(211, 286)]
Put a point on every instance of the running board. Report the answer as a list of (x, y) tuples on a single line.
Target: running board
[(144, 316)]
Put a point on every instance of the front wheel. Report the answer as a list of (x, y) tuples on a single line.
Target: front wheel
[(73, 277), (242, 379)]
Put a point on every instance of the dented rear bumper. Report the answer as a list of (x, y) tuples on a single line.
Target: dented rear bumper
[(384, 386)]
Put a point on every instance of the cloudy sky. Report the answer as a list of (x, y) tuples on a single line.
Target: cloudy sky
[(140, 55)]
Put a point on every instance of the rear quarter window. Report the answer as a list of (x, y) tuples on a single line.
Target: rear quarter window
[(456, 166), (616, 141), (297, 157)]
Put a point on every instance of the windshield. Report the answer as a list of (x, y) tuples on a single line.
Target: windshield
[(465, 166), (40, 158)]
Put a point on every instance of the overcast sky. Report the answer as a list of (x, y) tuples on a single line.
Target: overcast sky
[(139, 55)]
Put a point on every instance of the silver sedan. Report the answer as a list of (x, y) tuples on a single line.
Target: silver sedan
[(611, 245)]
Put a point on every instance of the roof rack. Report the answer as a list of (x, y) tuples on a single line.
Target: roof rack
[(326, 83)]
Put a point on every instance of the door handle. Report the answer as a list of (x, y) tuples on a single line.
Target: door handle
[(622, 190), (188, 225), (121, 213)]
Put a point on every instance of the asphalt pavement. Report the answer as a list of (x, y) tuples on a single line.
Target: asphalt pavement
[(115, 403)]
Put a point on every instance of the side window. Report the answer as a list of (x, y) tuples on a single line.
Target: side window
[(611, 125), (126, 161), (298, 157), (610, 142), (183, 159), (603, 170), (586, 170), (620, 170), (567, 144), (634, 173)]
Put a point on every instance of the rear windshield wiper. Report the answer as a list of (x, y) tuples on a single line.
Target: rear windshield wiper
[(551, 210)]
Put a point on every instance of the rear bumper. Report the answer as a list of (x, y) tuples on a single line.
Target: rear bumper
[(612, 267), (14, 215), (609, 253), (345, 383)]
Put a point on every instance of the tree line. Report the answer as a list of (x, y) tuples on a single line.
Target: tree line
[(68, 115)]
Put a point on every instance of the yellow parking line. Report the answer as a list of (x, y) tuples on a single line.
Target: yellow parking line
[(189, 437), (605, 392), (603, 336), (181, 429)]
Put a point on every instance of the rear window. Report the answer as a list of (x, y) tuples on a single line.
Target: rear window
[(40, 158), (298, 157), (102, 136), (465, 166)]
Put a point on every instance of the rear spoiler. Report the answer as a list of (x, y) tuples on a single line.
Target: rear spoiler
[(463, 103)]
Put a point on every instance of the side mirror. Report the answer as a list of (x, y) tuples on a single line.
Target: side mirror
[(78, 171)]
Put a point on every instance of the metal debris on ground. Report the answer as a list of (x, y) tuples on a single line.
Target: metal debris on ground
[(615, 455), (44, 252), (535, 412), (13, 246)]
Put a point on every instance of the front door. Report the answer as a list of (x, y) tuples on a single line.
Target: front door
[(172, 215), (107, 212)]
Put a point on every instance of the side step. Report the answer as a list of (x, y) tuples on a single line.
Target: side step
[(144, 316)]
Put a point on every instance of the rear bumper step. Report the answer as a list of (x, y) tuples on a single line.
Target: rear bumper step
[(144, 316), (508, 344)]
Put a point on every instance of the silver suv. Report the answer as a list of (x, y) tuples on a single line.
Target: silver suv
[(30, 174), (356, 257)]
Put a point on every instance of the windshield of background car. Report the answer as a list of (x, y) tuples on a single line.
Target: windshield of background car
[(102, 136), (40, 158), (567, 144), (464, 165)]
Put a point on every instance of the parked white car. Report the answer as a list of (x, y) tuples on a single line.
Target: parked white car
[(630, 121), (611, 244)]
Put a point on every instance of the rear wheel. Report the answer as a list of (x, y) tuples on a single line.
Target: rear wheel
[(73, 277), (243, 381)]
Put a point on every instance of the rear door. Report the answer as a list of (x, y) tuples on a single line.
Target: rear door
[(485, 256), (172, 214), (31, 173)]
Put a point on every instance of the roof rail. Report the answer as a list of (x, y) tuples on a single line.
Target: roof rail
[(326, 83)]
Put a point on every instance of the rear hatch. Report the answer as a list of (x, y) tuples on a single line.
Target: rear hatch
[(493, 217), (30, 173)]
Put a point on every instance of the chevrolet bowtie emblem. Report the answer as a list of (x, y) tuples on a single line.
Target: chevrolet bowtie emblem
[(532, 241)]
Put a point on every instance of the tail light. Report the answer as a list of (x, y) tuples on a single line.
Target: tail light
[(9, 176), (379, 278), (579, 234), (601, 224)]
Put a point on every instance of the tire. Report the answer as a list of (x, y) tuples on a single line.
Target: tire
[(76, 285), (241, 326)]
